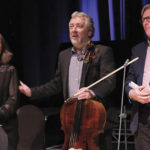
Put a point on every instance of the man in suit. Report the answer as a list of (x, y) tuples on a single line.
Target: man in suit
[(76, 71), (139, 72)]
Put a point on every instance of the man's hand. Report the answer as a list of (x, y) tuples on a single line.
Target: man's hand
[(24, 89), (140, 94), (146, 90), (86, 94)]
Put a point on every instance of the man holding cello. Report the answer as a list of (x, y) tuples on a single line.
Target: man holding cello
[(78, 67)]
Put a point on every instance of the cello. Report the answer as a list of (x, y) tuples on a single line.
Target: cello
[(83, 120)]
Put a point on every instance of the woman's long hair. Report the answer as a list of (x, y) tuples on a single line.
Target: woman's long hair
[(4, 51), (4, 44)]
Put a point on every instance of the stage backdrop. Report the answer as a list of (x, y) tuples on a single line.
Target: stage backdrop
[(35, 29)]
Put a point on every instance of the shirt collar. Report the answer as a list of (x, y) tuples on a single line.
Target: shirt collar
[(81, 52)]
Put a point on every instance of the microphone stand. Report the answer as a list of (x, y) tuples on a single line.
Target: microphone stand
[(122, 114)]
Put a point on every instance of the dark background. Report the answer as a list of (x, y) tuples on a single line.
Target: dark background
[(36, 30)]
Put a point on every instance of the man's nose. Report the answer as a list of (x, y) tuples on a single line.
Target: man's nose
[(74, 28)]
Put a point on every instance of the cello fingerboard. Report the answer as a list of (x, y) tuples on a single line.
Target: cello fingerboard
[(76, 125)]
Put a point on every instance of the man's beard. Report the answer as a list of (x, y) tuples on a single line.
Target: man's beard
[(76, 42)]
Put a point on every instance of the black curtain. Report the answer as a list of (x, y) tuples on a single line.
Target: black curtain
[(35, 30)]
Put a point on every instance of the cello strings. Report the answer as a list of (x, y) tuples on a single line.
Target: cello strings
[(76, 126), (73, 137)]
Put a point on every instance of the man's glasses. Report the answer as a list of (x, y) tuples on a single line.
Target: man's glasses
[(145, 18)]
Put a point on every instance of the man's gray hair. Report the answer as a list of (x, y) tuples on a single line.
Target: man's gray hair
[(147, 6), (88, 21)]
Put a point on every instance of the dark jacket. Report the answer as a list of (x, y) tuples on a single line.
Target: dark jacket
[(100, 66), (135, 74)]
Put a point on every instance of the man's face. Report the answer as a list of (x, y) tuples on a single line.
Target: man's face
[(146, 22), (78, 31)]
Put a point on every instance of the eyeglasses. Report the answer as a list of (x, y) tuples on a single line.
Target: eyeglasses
[(145, 18)]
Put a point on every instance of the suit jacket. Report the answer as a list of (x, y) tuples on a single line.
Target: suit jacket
[(135, 74), (100, 66)]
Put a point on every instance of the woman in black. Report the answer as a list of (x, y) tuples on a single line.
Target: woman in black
[(8, 96)]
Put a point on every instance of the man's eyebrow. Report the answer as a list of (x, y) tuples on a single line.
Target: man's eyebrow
[(147, 17)]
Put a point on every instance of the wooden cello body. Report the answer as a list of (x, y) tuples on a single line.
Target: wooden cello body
[(82, 121)]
